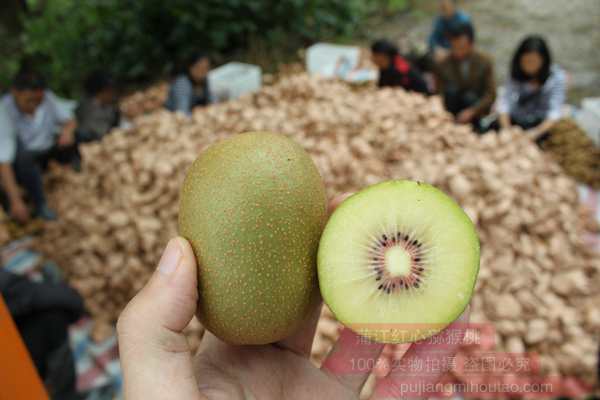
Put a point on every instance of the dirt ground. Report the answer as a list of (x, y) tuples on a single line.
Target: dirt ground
[(571, 26)]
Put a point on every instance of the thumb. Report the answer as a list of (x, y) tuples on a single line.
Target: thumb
[(154, 353)]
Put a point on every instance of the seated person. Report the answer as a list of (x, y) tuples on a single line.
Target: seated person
[(43, 313), (98, 112), (34, 129), (465, 79), (535, 93), (394, 70), (439, 45), (190, 88)]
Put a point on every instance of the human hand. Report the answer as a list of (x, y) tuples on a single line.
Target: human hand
[(465, 116), (534, 133), (67, 135), (158, 364), (505, 122), (440, 54), (19, 211)]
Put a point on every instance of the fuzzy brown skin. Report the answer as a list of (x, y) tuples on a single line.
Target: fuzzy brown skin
[(253, 207)]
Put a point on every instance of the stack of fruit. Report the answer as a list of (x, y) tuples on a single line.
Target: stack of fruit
[(146, 101), (575, 152), (4, 234), (118, 214)]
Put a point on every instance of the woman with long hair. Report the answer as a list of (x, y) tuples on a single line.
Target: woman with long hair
[(535, 93)]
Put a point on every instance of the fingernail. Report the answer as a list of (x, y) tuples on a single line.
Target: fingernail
[(170, 258)]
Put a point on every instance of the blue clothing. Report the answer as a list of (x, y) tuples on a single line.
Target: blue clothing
[(184, 95), (440, 27)]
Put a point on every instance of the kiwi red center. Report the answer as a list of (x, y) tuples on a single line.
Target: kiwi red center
[(397, 261)]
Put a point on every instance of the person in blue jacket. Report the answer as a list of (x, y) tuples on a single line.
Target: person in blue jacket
[(449, 17)]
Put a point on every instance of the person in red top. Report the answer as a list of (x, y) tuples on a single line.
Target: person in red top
[(395, 70)]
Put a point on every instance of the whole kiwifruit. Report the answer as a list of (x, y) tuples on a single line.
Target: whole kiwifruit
[(253, 208), (398, 261)]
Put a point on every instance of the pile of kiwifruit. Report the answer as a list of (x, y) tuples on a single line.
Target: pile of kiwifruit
[(144, 101), (575, 152), (117, 215), (4, 233)]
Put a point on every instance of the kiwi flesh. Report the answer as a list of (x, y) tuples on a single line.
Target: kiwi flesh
[(398, 261)]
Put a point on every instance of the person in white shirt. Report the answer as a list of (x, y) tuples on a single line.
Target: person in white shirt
[(34, 129)]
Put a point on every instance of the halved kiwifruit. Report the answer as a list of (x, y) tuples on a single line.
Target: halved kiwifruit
[(398, 261)]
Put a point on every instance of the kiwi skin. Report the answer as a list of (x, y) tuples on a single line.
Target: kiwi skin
[(335, 272), (253, 208)]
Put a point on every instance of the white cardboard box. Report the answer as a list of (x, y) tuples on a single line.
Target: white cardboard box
[(588, 117), (234, 79), (327, 59), (337, 61)]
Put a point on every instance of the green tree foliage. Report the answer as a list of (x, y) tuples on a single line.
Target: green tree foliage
[(138, 40)]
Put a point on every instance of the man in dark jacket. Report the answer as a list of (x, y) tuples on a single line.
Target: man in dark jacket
[(465, 79), (42, 313), (395, 70)]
